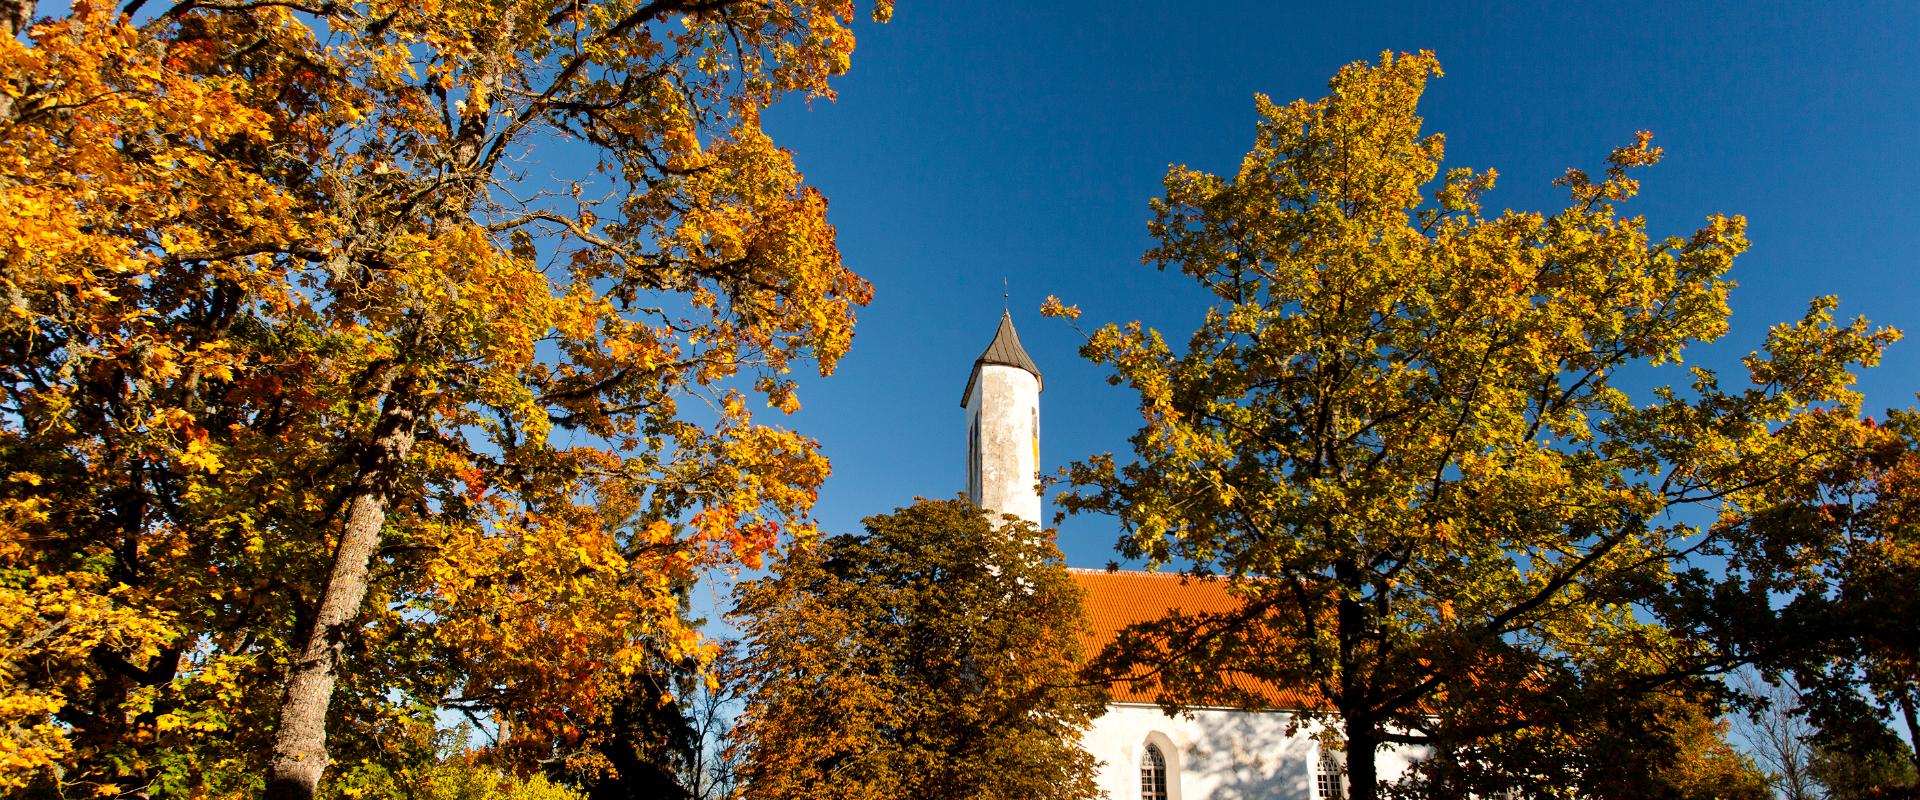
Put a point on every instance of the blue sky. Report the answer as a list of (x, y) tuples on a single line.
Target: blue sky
[(976, 141)]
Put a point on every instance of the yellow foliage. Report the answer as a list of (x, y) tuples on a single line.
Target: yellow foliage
[(1402, 424), (241, 240)]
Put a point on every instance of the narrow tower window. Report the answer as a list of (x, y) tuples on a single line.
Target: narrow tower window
[(975, 484), (1153, 775), (1328, 778)]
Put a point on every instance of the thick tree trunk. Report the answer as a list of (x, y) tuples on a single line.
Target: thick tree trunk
[(1363, 780), (300, 743), (15, 16)]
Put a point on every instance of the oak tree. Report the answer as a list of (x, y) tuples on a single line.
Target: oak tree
[(1402, 431), (363, 358), (935, 656)]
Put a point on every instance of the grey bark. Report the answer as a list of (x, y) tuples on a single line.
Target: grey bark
[(300, 742)]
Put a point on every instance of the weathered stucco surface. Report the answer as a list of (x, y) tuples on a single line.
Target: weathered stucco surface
[(1003, 441), (1214, 754)]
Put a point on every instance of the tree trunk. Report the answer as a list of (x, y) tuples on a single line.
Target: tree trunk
[(300, 742), (1912, 717), (1363, 780), (15, 16)]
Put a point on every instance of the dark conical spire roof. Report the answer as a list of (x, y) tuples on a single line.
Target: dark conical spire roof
[(1005, 350)]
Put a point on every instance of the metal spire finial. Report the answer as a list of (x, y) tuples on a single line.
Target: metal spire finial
[(1006, 295)]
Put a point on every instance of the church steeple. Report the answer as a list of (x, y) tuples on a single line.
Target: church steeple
[(1002, 400), (1004, 350)]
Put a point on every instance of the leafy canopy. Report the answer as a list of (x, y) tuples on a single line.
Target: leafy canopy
[(935, 656), (1402, 429), (1821, 591), (311, 365)]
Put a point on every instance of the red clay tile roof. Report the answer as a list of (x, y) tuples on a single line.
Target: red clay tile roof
[(1116, 600)]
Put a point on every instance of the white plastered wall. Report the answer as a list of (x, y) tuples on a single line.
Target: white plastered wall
[(1004, 475), (1215, 754)]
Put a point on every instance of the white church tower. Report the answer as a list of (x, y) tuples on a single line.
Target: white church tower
[(1003, 428), (1145, 754)]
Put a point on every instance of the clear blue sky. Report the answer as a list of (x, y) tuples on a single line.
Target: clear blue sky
[(979, 140)]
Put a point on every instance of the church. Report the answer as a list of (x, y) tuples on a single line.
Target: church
[(1204, 753)]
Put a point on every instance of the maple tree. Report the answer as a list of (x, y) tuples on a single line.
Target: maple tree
[(935, 656), (1400, 431), (321, 407)]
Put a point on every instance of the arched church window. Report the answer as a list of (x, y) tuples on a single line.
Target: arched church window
[(1153, 775), (1328, 779)]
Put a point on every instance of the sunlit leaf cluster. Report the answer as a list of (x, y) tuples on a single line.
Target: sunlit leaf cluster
[(937, 656), (452, 314), (1412, 431)]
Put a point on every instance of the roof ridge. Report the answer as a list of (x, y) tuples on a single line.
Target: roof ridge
[(1141, 573)]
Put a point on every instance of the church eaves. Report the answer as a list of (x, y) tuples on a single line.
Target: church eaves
[(1005, 350)]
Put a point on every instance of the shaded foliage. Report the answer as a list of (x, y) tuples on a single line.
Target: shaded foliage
[(1863, 772), (934, 656), (1821, 591), (1601, 742)]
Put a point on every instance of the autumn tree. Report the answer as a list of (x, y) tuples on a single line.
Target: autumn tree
[(1594, 741), (1822, 590), (459, 770), (934, 656), (1674, 745), (1871, 772), (1401, 433), (363, 358)]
